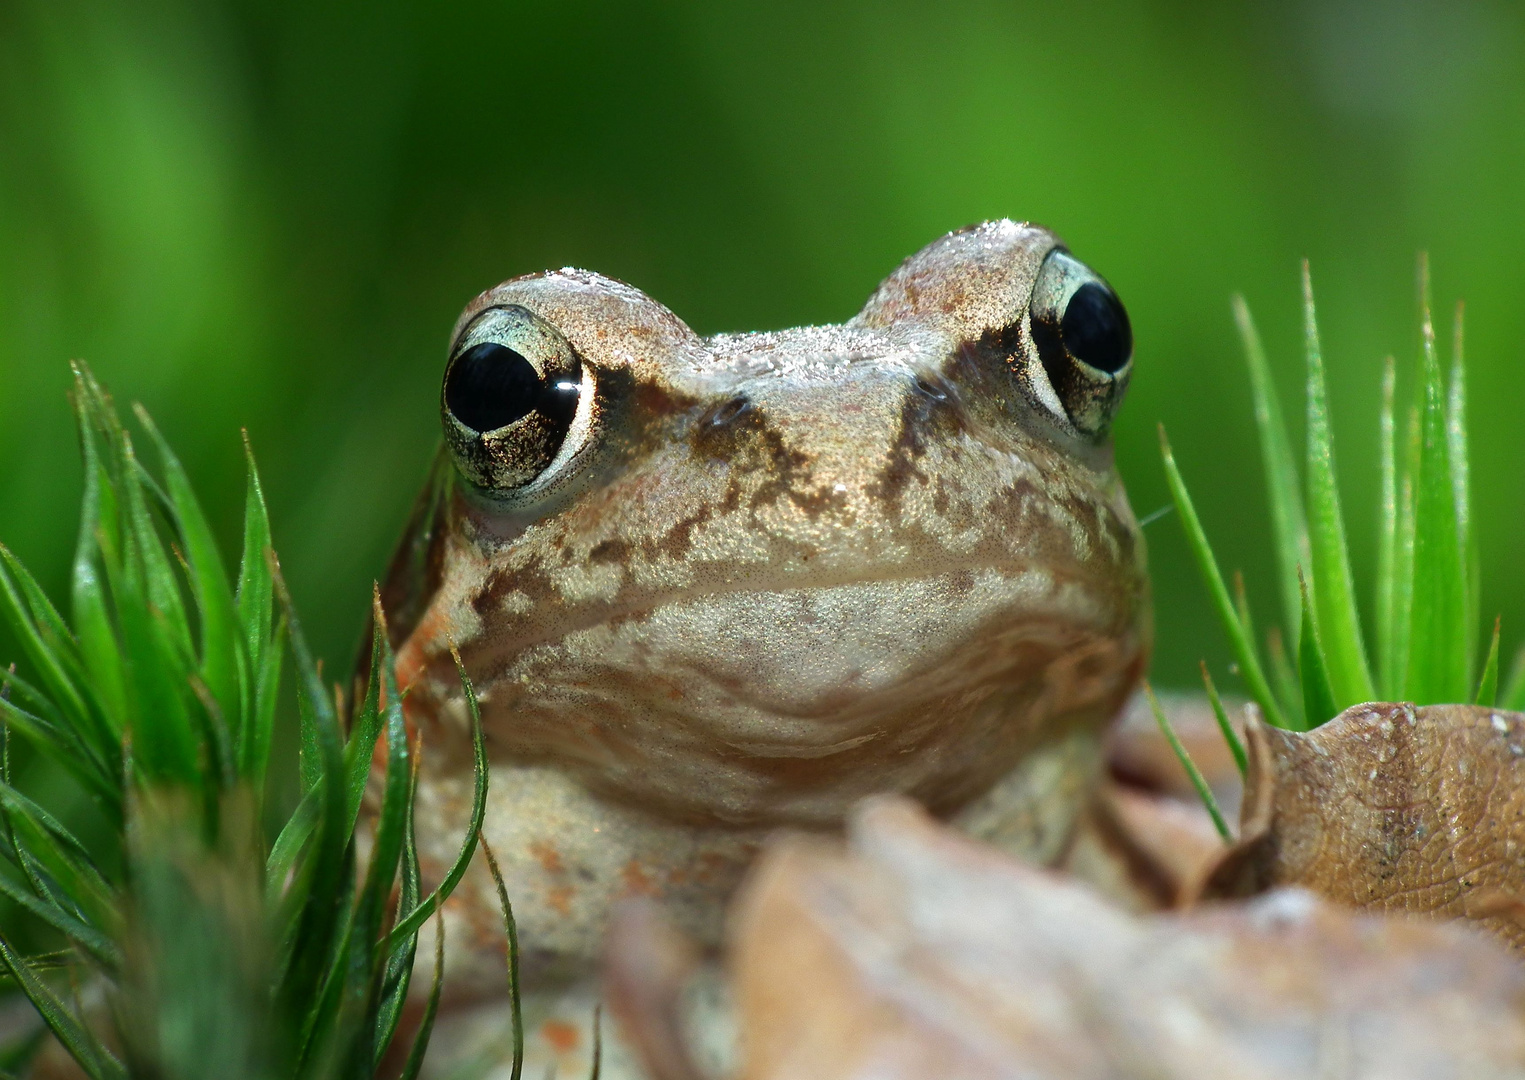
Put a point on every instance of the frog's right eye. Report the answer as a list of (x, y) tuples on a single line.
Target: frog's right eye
[(1083, 342), (515, 402)]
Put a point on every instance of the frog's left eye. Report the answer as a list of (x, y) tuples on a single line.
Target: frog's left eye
[(513, 401), (1084, 343)]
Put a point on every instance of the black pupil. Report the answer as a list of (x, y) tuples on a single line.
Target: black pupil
[(1095, 328), (491, 386)]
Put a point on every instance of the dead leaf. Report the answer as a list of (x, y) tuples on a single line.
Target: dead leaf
[(915, 952), (1392, 808)]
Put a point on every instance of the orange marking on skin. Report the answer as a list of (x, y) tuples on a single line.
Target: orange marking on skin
[(560, 899), (637, 881), (561, 1035), (548, 857), (413, 658)]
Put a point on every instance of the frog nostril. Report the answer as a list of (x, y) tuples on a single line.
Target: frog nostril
[(1095, 328), (490, 386)]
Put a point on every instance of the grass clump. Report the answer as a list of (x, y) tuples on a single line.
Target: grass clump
[(204, 942), (1427, 629)]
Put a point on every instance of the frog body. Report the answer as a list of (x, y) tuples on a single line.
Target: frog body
[(708, 587)]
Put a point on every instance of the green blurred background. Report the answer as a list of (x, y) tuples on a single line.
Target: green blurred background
[(269, 214)]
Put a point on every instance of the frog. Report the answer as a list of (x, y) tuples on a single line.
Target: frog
[(709, 587)]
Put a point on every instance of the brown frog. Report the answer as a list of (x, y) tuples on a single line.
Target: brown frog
[(710, 586)]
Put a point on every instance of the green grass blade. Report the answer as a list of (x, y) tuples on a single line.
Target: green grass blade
[(1438, 672), (1239, 640), (399, 972), (288, 846), (1230, 736), (361, 959), (144, 553), (408, 925), (1488, 684), (1198, 781), (166, 742), (1513, 697), (516, 1010), (92, 622), (254, 749), (1388, 676), (331, 855), (85, 1048), (14, 801), (48, 654), (1319, 705), (64, 862), (1456, 446), (426, 1026), (1287, 691), (1334, 603), (220, 626), (263, 645), (1403, 560), (95, 943), (1283, 490), (59, 744), (366, 726)]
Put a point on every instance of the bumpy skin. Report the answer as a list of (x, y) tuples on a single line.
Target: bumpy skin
[(787, 570)]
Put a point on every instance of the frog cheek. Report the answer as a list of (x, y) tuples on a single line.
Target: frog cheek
[(1084, 341)]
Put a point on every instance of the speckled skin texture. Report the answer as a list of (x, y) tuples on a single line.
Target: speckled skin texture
[(770, 574)]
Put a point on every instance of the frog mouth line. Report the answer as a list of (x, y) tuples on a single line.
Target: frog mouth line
[(1106, 602)]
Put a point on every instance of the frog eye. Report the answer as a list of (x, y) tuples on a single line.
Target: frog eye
[(1084, 343), (512, 399)]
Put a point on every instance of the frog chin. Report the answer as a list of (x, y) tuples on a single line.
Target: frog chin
[(785, 706)]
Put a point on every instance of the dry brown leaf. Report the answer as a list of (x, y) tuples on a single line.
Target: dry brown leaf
[(915, 952), (1389, 807)]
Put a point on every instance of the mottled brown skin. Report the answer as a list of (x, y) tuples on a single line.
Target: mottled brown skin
[(782, 571)]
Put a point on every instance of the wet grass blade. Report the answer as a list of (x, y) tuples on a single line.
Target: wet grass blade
[(1438, 649), (1319, 704), (1488, 684), (1198, 781), (516, 1010), (1333, 592), (1230, 736), (1283, 490), (1239, 639)]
